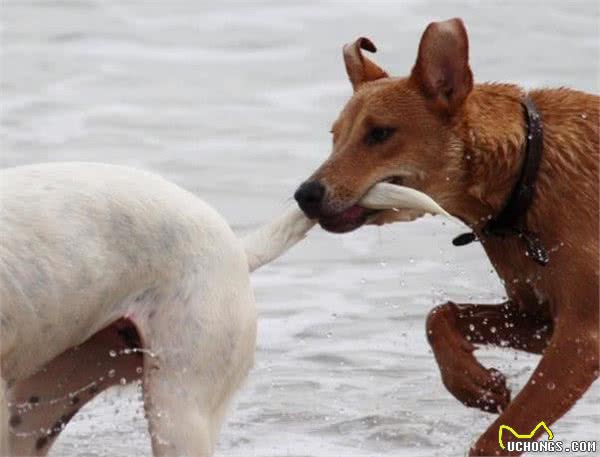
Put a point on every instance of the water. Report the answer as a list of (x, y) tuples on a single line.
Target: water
[(234, 101)]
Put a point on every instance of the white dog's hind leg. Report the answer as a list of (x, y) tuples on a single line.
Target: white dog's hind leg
[(4, 449), (42, 405), (200, 349), (188, 384)]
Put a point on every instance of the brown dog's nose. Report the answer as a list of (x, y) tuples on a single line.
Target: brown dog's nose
[(309, 196)]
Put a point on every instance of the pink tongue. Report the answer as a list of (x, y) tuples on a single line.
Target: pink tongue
[(352, 213)]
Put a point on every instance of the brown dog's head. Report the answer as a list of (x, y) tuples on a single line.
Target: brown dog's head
[(401, 130)]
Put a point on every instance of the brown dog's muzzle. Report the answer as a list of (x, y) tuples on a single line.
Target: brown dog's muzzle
[(311, 197)]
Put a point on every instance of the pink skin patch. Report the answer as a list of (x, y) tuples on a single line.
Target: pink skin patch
[(347, 220)]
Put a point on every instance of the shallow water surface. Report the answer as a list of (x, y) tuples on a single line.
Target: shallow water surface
[(234, 101)]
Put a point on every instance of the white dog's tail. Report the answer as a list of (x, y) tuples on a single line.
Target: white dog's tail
[(273, 239)]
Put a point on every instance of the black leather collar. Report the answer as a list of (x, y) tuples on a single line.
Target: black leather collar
[(510, 221)]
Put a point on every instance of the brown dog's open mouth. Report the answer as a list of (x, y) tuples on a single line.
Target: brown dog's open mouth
[(346, 221), (353, 217)]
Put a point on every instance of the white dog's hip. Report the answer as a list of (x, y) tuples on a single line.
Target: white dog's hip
[(84, 244)]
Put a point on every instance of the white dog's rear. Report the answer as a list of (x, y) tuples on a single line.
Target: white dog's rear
[(109, 275), (83, 246)]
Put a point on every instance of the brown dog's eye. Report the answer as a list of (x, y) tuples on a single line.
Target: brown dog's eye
[(378, 135)]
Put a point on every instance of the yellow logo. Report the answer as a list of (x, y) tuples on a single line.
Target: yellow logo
[(517, 435)]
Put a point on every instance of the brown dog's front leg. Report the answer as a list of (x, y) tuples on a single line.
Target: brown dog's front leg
[(567, 369), (453, 330)]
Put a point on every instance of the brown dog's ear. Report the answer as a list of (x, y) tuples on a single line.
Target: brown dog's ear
[(359, 68), (442, 68)]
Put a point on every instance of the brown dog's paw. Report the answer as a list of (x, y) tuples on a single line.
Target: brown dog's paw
[(469, 381), (476, 386), (499, 394)]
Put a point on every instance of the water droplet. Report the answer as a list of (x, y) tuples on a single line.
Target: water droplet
[(123, 381), (493, 329), (112, 353), (471, 327), (111, 373), (551, 386), (139, 370)]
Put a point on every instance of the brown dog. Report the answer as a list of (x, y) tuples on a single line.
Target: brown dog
[(464, 144)]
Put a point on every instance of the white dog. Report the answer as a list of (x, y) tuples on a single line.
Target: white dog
[(109, 275)]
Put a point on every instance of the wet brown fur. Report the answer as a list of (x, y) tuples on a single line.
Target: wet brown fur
[(463, 144)]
